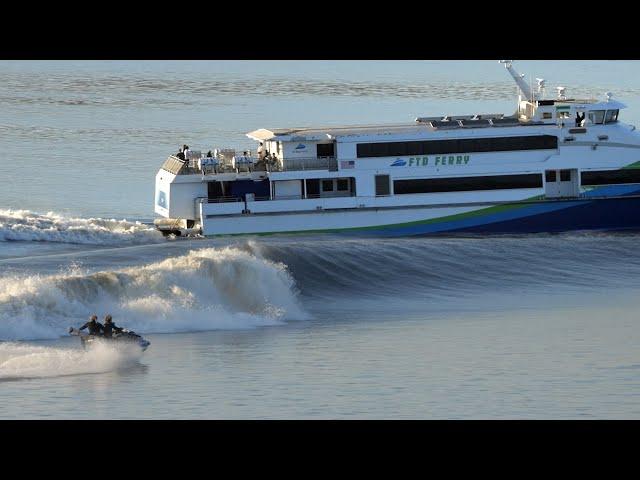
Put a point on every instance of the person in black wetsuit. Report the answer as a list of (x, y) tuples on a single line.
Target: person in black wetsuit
[(110, 327), (95, 327)]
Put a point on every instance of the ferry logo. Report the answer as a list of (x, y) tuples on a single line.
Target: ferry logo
[(162, 200), (301, 146), (399, 163)]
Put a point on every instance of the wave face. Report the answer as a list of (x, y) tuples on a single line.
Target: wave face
[(438, 270), (27, 226), (205, 289)]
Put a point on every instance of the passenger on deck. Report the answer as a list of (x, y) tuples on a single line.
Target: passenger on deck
[(260, 151), (209, 154), (110, 327), (95, 327), (579, 119), (180, 155), (185, 150)]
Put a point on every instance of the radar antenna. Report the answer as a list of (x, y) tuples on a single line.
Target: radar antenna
[(524, 87)]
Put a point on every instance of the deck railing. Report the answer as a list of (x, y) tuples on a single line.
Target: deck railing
[(208, 166), (309, 163)]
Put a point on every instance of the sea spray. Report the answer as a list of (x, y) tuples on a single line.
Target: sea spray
[(19, 360), (205, 289), (27, 226)]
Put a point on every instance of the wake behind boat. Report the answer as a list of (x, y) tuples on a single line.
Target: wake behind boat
[(124, 337)]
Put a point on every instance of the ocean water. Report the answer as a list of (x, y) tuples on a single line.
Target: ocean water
[(537, 326)]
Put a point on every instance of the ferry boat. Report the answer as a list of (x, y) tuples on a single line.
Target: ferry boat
[(557, 164)]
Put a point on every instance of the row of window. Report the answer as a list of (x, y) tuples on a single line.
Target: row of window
[(315, 186), (500, 182), (466, 145), (463, 184), (610, 177)]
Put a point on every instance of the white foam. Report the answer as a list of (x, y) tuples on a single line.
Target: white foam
[(204, 290), (24, 225), (31, 361)]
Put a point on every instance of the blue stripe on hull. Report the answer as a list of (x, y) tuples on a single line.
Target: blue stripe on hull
[(611, 214), (598, 214)]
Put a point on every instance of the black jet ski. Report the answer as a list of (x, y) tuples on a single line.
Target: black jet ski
[(123, 337)]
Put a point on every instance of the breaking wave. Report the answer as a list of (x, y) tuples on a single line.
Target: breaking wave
[(27, 226), (205, 289)]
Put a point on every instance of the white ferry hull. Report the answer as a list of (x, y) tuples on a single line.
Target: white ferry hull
[(605, 208)]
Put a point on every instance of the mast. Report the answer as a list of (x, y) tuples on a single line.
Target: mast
[(524, 87)]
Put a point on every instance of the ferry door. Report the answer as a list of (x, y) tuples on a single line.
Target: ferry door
[(561, 183)]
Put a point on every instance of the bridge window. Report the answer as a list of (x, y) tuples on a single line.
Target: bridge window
[(596, 116), (611, 116)]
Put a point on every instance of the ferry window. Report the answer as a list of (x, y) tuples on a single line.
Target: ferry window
[(462, 184), (437, 147), (343, 184), (610, 177), (563, 114), (611, 116), (214, 190), (565, 175), (327, 185), (382, 185), (326, 150), (596, 116), (313, 187), (547, 115), (550, 176)]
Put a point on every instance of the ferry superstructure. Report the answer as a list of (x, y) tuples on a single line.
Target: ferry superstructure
[(557, 164)]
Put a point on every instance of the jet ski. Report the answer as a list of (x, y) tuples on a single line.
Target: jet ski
[(122, 338)]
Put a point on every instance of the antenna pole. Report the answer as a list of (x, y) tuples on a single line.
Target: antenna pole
[(522, 84)]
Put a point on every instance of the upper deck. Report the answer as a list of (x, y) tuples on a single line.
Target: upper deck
[(328, 148)]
